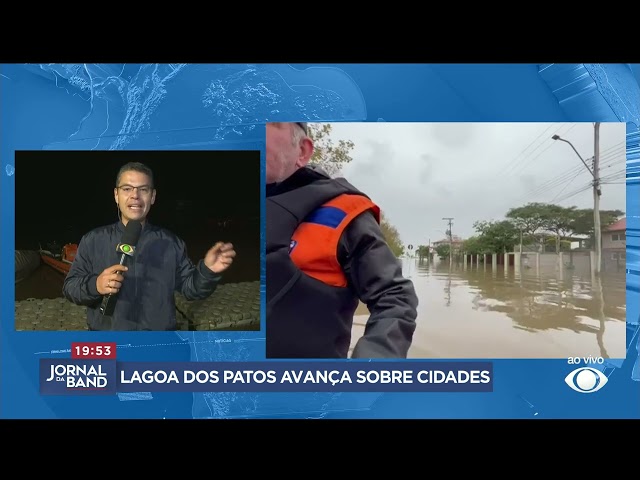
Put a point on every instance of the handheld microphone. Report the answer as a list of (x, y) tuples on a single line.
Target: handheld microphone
[(126, 248)]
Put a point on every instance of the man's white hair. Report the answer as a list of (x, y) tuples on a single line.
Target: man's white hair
[(297, 134)]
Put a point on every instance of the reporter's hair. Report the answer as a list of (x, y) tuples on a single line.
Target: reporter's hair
[(136, 167)]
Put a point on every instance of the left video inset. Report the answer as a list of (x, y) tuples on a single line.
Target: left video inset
[(137, 240)]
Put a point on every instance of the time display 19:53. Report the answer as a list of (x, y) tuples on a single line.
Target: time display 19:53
[(93, 350)]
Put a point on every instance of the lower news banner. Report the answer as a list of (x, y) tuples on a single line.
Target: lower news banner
[(69, 377)]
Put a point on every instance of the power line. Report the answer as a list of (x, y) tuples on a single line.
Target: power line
[(514, 162), (567, 174)]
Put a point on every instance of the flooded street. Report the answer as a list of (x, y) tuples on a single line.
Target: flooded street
[(481, 312)]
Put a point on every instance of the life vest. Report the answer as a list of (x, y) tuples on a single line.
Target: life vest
[(310, 305)]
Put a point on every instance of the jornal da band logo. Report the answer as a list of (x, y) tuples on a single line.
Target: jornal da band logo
[(72, 377), (79, 376)]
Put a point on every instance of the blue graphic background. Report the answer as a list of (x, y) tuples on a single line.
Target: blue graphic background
[(182, 106)]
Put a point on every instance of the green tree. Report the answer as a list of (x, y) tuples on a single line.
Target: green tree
[(327, 154), (558, 220), (583, 221), (497, 236), (443, 250), (537, 220), (543, 223), (392, 236), (529, 219), (474, 245)]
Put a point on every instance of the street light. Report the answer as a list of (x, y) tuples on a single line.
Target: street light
[(596, 191), (557, 137)]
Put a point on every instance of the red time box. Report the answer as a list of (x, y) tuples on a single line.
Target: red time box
[(94, 350)]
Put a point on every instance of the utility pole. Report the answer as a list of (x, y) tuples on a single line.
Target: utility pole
[(449, 219), (595, 173), (596, 196)]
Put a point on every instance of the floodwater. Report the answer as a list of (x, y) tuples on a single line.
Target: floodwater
[(479, 312)]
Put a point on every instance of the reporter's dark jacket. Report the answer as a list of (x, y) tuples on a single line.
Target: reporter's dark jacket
[(316, 277), (159, 268)]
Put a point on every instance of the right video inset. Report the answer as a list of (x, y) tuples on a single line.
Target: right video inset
[(446, 240)]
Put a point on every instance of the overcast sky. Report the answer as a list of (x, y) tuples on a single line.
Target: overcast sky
[(421, 172)]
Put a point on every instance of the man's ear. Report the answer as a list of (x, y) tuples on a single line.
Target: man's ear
[(153, 197), (306, 151)]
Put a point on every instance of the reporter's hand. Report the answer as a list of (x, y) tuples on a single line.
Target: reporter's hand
[(219, 257), (110, 280)]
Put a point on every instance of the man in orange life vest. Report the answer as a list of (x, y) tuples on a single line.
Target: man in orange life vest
[(325, 252)]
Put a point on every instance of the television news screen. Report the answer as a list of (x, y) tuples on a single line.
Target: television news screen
[(450, 241)]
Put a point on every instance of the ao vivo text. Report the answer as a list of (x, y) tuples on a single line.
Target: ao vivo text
[(585, 360)]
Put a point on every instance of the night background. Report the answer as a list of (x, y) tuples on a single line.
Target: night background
[(202, 196)]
